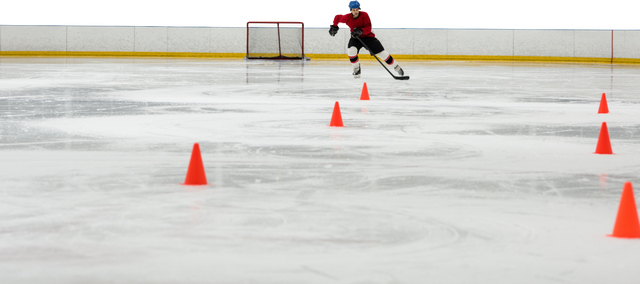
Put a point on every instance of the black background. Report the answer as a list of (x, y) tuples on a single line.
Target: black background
[(424, 13)]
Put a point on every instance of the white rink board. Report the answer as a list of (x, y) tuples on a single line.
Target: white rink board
[(105, 39), (540, 43), (33, 38), (626, 44), (480, 42), (151, 39)]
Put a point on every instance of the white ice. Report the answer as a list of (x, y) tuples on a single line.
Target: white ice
[(467, 173)]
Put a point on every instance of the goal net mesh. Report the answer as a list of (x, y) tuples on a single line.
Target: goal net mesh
[(275, 40)]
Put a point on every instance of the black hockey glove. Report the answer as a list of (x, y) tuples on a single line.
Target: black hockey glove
[(356, 32), (333, 30)]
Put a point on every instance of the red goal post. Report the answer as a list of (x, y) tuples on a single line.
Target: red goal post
[(275, 40)]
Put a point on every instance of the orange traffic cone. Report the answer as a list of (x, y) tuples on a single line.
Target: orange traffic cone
[(603, 105), (365, 93), (336, 118), (627, 225), (195, 173), (604, 144)]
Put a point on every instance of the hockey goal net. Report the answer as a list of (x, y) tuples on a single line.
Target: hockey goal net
[(275, 40)]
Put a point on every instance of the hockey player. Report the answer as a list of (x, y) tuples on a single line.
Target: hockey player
[(360, 25)]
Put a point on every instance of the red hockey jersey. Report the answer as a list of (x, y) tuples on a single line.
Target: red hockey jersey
[(362, 21)]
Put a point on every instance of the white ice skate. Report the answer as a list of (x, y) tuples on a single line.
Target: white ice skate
[(399, 70), (356, 72)]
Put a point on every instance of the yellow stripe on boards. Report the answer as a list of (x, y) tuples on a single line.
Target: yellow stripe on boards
[(323, 56), (120, 54)]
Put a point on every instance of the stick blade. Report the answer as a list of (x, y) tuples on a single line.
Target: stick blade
[(401, 77)]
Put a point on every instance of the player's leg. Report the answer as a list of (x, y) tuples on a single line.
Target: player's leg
[(384, 55), (352, 50), (378, 49), (355, 61)]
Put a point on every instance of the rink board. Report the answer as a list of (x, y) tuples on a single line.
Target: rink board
[(617, 46)]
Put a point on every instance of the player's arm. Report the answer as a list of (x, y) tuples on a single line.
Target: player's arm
[(333, 29)]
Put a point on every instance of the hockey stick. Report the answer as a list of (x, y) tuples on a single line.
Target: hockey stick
[(385, 67)]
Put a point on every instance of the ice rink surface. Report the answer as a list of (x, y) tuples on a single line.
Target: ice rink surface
[(467, 173)]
